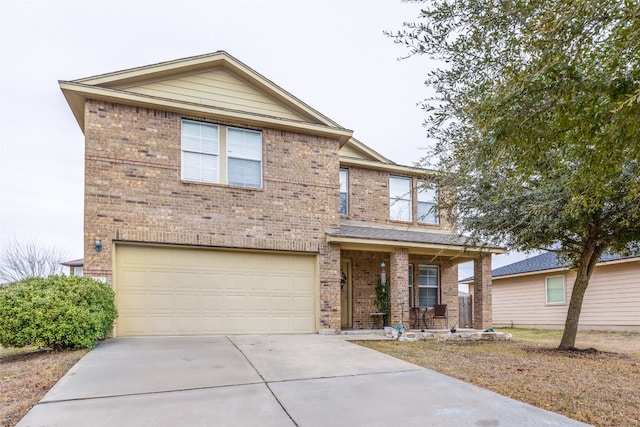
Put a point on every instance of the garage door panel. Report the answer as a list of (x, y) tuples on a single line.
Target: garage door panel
[(168, 291)]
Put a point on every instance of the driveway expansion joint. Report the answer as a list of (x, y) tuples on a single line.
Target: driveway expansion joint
[(264, 382)]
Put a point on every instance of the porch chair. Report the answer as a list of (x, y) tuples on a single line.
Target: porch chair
[(440, 312)]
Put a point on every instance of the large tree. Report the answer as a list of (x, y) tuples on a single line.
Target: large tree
[(536, 122)]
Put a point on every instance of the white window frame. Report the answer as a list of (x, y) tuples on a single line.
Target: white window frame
[(222, 152), (187, 174), (77, 271), (411, 296), (429, 197), (344, 171), (394, 199), (546, 290), (429, 286), (238, 156)]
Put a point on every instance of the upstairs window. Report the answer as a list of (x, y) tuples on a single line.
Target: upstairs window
[(220, 154), (400, 198), (344, 191), (200, 152), (244, 157), (554, 290), (427, 202)]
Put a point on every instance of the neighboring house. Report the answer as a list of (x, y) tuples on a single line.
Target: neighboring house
[(75, 267), (535, 293), (217, 202)]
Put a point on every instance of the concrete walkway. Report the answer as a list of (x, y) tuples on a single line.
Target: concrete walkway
[(269, 380)]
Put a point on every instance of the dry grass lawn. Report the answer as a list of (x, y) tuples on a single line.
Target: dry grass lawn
[(597, 387), (25, 377)]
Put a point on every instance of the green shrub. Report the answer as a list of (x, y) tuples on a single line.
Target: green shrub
[(57, 312)]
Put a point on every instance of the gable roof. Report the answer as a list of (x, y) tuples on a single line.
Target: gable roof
[(546, 261), (214, 85)]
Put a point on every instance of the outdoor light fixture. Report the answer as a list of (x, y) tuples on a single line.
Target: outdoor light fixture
[(98, 245), (383, 275)]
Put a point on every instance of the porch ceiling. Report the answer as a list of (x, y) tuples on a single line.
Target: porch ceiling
[(384, 239)]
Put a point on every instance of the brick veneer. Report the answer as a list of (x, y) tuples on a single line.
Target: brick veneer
[(133, 192), (482, 315)]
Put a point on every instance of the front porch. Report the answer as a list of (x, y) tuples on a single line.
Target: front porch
[(420, 271)]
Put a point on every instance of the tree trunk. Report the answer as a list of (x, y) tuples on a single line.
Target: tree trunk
[(588, 260)]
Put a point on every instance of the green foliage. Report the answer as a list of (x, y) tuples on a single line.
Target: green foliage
[(58, 312), (382, 296), (537, 123)]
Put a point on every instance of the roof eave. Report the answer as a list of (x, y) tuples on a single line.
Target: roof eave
[(383, 245), (76, 93), (393, 168)]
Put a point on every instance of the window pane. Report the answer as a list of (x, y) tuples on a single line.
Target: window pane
[(400, 198), (245, 173), (411, 285), (199, 167), (428, 297), (555, 289), (400, 187), (199, 137), (245, 144), (427, 202), (344, 194), (400, 210), (427, 213)]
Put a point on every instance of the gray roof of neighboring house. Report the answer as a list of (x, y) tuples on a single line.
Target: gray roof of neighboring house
[(75, 263), (392, 234), (544, 261)]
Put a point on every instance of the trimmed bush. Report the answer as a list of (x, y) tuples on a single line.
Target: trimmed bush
[(58, 312)]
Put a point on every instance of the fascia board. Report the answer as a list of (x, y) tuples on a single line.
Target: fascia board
[(74, 91)]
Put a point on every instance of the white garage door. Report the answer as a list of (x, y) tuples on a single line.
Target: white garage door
[(178, 291)]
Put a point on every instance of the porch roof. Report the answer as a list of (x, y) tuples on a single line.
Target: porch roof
[(381, 238)]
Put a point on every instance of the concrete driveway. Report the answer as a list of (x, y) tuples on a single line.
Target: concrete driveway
[(268, 380)]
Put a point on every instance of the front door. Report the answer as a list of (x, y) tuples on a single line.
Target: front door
[(345, 294)]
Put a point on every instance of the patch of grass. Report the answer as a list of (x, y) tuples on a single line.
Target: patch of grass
[(26, 375), (599, 388)]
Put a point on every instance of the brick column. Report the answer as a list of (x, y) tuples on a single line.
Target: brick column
[(399, 277), (482, 318), (329, 288), (449, 291)]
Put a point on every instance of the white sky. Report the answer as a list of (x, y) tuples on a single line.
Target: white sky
[(331, 54)]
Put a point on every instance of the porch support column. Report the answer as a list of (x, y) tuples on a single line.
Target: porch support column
[(399, 292), (449, 291), (329, 288), (482, 318)]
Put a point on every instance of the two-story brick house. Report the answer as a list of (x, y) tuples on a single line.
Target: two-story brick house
[(216, 202)]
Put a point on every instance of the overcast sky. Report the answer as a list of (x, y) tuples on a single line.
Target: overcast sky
[(331, 54)]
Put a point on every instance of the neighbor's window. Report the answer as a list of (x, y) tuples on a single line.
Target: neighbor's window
[(554, 290), (428, 285), (411, 285), (427, 202), (400, 198), (244, 157), (344, 191), (200, 151)]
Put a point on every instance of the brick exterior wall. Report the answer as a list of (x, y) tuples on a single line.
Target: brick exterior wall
[(399, 287), (133, 192), (369, 199), (482, 314)]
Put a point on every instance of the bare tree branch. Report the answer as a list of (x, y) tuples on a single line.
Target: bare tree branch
[(20, 260)]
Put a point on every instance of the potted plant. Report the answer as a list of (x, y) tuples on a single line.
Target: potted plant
[(382, 300)]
